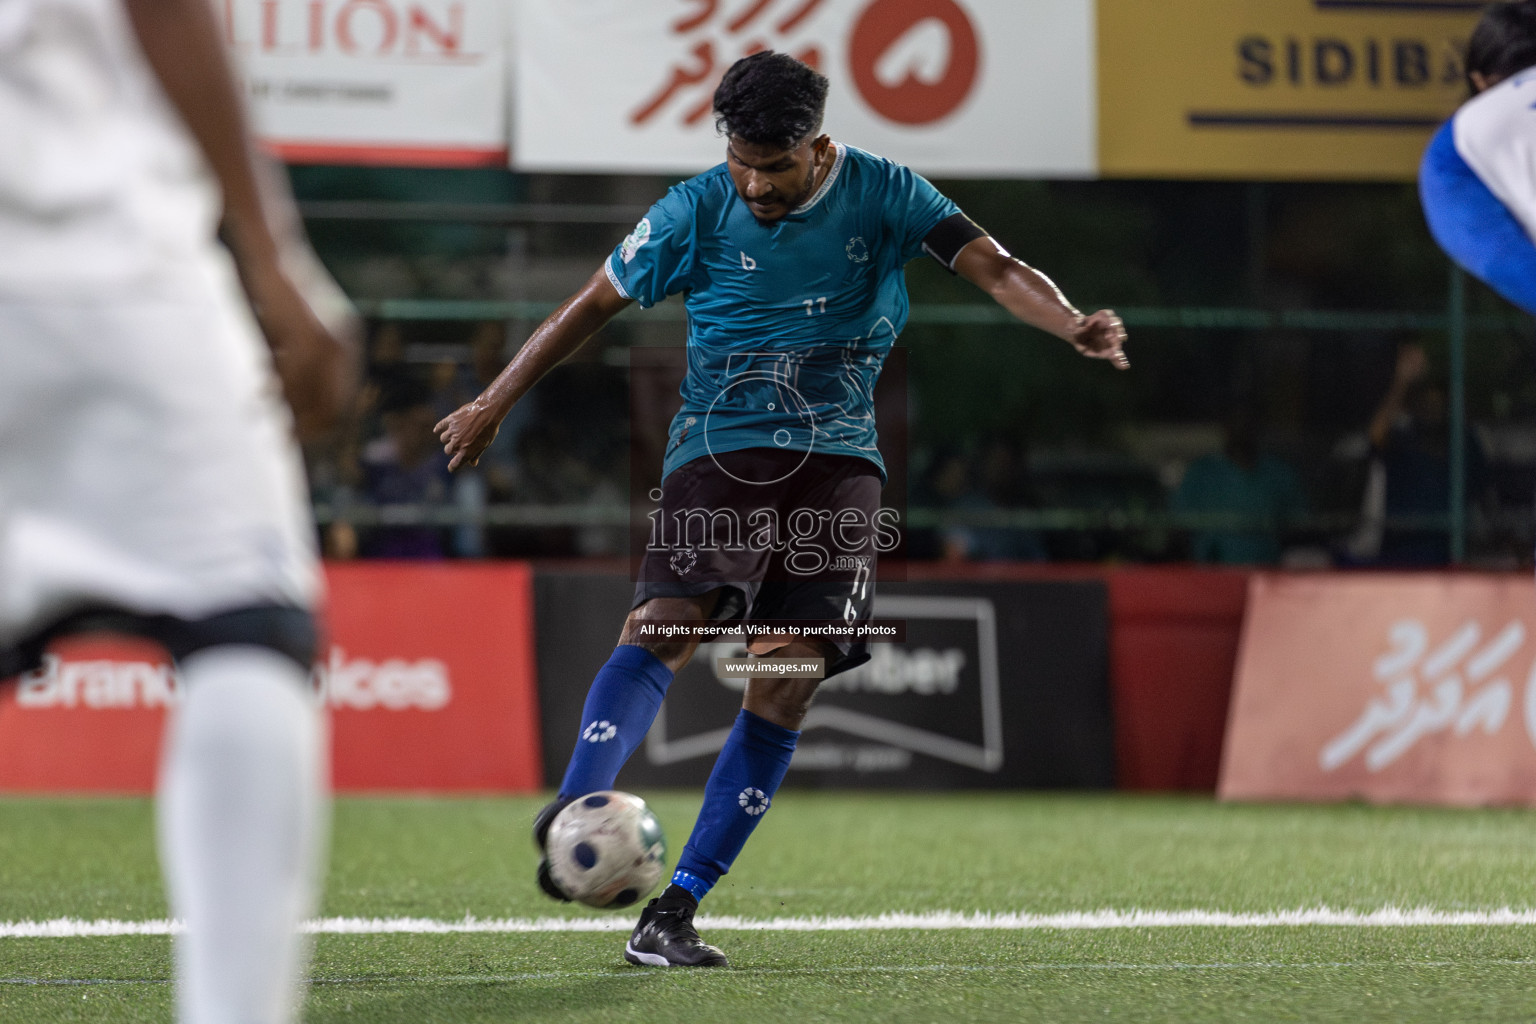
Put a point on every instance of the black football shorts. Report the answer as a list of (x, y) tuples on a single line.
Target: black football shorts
[(785, 535)]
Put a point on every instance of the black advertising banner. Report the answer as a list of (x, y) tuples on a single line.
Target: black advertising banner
[(996, 684)]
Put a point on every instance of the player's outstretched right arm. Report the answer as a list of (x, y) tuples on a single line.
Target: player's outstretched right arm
[(468, 431)]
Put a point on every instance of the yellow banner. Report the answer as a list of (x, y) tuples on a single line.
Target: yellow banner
[(1276, 89)]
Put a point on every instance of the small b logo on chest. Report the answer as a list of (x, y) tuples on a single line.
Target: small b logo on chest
[(747, 262), (857, 250)]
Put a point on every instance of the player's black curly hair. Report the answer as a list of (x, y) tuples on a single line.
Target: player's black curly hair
[(1504, 40), (770, 99)]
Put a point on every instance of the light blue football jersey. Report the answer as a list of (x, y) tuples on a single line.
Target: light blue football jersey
[(790, 322)]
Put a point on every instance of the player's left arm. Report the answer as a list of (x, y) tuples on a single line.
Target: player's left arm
[(1034, 298)]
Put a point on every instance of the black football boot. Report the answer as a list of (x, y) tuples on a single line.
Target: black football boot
[(666, 937), (541, 823)]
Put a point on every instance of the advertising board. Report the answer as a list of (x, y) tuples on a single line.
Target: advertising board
[(1245, 89), (994, 685), (1390, 688), (1270, 89), (428, 678), (396, 82), (949, 87)]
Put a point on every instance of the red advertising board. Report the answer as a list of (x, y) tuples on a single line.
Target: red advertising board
[(428, 676), (1390, 688), (1173, 634), (1173, 643)]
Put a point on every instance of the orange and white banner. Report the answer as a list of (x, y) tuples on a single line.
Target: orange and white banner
[(1390, 688), (968, 87), (375, 81), (428, 678)]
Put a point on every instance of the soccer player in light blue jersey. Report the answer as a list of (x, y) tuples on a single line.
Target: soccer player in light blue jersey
[(789, 257), (1477, 180)]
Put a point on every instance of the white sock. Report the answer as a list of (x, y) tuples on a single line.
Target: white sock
[(242, 820)]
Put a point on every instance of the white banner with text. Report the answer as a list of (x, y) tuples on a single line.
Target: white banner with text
[(947, 87), (400, 82)]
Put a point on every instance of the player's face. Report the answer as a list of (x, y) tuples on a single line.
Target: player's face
[(773, 181)]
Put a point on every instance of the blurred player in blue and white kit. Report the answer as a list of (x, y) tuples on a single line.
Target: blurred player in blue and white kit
[(790, 259), (149, 479), (1477, 180)]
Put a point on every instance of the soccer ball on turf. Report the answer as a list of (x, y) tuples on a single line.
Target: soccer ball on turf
[(606, 849)]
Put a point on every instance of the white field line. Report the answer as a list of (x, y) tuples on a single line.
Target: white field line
[(940, 920), (632, 974)]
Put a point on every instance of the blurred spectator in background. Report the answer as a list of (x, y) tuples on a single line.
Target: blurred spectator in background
[(336, 479), (497, 477), (1258, 492), (379, 457), (459, 382), (386, 357), (404, 466), (569, 463), (949, 488), (1410, 474), (336, 476), (992, 485)]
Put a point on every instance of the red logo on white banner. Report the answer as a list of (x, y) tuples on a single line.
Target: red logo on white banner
[(913, 61)]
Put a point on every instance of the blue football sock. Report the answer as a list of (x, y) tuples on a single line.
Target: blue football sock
[(747, 774), (618, 713)]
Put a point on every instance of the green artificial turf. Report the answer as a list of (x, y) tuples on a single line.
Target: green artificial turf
[(842, 854)]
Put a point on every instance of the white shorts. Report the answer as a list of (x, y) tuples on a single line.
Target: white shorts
[(146, 462)]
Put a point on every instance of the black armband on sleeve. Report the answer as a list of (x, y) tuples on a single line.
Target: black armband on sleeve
[(949, 236)]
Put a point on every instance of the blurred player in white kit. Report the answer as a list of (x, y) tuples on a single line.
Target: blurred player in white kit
[(1477, 180), (149, 479)]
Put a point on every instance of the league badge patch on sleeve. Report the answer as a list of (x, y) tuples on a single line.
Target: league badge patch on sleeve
[(636, 239)]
